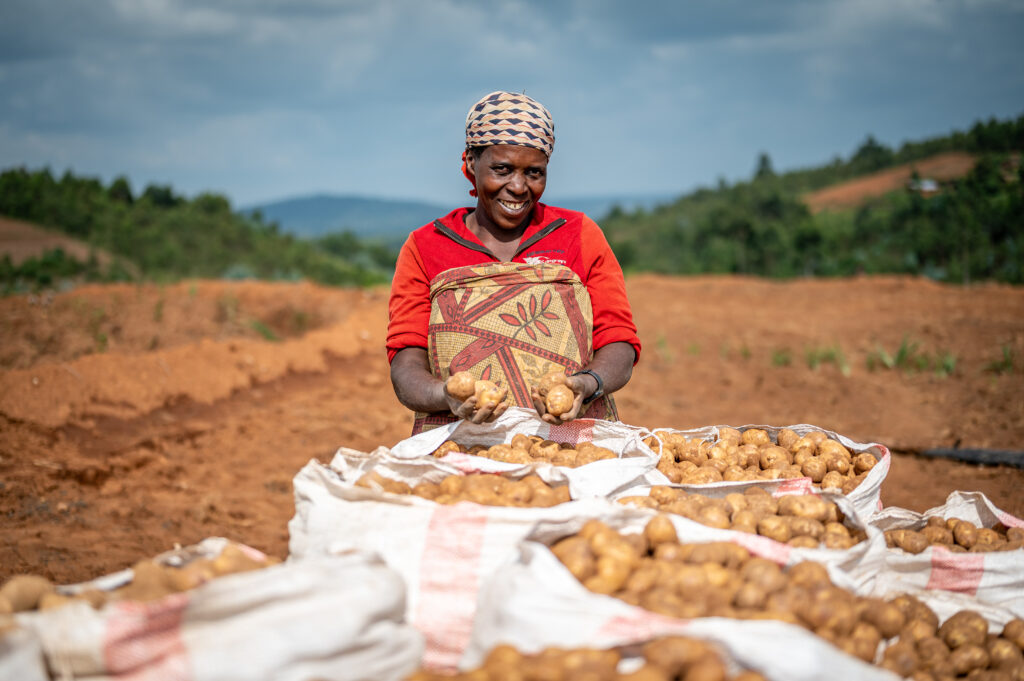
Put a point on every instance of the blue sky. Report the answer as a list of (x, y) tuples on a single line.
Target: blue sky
[(266, 99)]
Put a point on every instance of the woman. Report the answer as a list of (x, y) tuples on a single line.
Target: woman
[(511, 289)]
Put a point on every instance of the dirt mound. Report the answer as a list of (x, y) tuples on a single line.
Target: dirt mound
[(941, 168), (22, 241), (115, 446)]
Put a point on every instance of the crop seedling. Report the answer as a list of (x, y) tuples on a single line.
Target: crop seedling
[(264, 330), (910, 358), (661, 346), (693, 349), (945, 364), (745, 351), (782, 357), (832, 354), (1004, 365)]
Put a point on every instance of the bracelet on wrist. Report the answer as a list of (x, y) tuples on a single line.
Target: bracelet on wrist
[(600, 385)]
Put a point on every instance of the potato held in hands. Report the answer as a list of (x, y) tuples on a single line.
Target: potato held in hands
[(558, 396), (559, 400), (462, 386)]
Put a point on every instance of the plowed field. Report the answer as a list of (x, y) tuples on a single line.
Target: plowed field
[(136, 417)]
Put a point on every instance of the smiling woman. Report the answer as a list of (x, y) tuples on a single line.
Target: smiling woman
[(511, 289)]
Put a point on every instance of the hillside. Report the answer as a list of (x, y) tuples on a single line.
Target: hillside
[(941, 168), (21, 241)]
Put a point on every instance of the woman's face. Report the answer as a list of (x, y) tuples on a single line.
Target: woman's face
[(509, 182)]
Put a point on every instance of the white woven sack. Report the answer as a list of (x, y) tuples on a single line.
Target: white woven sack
[(995, 578), (535, 602), (443, 551), (856, 568), (866, 498), (21, 656), (594, 479), (337, 617)]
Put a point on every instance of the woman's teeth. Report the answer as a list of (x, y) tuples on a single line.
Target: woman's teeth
[(512, 206)]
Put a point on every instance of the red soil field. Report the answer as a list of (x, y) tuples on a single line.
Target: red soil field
[(134, 417), (941, 168)]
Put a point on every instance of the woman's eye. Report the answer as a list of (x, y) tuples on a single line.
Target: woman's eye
[(499, 170)]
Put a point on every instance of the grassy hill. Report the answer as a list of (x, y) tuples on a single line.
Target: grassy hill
[(970, 228)]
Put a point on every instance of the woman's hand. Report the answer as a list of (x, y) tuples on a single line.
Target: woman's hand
[(467, 409), (581, 386)]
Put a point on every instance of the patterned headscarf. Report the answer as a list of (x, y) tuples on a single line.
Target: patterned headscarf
[(508, 118)]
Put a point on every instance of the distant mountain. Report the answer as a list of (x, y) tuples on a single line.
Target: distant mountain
[(313, 216), (310, 217), (598, 207)]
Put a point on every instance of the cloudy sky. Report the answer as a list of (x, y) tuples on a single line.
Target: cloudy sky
[(266, 99)]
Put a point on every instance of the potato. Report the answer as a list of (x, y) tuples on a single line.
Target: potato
[(713, 516), (806, 527), (775, 457), (660, 530), (908, 540), (832, 480), (729, 434), (1014, 632), (461, 385), (966, 627), (549, 381), (965, 534), (755, 436), (488, 395), (1003, 654), (775, 528), (837, 464), (786, 437), (804, 506), (886, 617), (900, 658), (803, 541), (559, 400), (814, 468), (447, 447), (834, 540), (937, 535), (862, 463), (968, 657), (23, 592)]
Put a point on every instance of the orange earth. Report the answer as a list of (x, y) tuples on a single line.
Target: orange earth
[(941, 168), (134, 418)]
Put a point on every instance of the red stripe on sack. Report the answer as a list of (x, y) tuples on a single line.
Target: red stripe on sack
[(573, 432), (449, 581), (639, 626), (142, 641), (1009, 520), (960, 572), (793, 486)]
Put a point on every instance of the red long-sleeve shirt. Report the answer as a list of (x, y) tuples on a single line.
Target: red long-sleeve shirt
[(578, 243)]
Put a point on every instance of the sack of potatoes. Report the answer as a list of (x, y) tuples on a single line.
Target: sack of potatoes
[(663, 659), (653, 570), (597, 456), (718, 455), (223, 610), (967, 545)]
